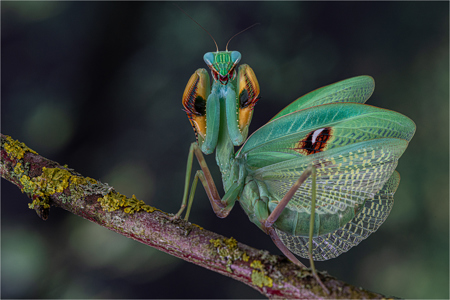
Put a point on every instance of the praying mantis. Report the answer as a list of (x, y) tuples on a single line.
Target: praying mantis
[(318, 178)]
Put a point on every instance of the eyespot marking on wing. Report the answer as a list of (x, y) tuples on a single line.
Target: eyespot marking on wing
[(316, 141)]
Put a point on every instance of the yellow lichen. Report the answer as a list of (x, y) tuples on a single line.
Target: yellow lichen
[(216, 243), (231, 242), (199, 227), (56, 180), (228, 250), (42, 202), (259, 279), (51, 181), (259, 276), (78, 180), (114, 201), (16, 149), (245, 257), (29, 186), (18, 169), (256, 264)]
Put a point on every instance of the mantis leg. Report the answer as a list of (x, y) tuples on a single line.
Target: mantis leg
[(191, 198), (220, 208), (268, 224), (186, 185), (311, 229), (276, 239), (287, 197)]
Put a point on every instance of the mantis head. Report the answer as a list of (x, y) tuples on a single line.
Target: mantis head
[(222, 65)]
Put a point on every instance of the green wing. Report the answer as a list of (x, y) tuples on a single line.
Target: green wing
[(367, 221), (355, 149), (286, 138), (346, 176), (356, 89), (361, 151)]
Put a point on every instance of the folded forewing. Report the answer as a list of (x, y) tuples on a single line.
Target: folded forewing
[(320, 129), (356, 89)]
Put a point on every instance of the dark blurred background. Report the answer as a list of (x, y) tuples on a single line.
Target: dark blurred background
[(98, 86)]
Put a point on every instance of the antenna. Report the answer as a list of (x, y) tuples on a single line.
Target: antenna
[(217, 48), (226, 47)]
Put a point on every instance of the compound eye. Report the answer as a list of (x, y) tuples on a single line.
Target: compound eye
[(208, 58), (235, 57)]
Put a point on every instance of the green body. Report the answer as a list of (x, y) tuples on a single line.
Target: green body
[(354, 148)]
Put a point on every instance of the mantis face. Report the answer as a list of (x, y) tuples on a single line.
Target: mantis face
[(222, 65)]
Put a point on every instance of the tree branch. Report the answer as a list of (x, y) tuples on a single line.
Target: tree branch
[(48, 183)]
